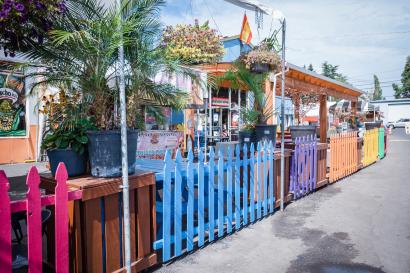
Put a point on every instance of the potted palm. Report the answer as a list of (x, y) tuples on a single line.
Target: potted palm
[(241, 77), (249, 118), (65, 139), (82, 55)]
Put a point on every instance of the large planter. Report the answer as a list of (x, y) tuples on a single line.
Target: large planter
[(75, 163), (104, 148), (265, 133), (247, 137), (260, 68), (373, 125), (301, 131)]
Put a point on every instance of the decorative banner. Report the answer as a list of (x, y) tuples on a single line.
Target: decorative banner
[(12, 105), (220, 102), (154, 144)]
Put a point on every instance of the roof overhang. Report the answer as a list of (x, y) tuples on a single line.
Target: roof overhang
[(297, 78)]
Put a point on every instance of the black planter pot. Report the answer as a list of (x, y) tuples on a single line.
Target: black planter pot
[(75, 163), (300, 131), (265, 133), (260, 68), (373, 125), (247, 137), (104, 148)]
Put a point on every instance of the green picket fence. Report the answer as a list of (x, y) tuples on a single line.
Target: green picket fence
[(381, 143)]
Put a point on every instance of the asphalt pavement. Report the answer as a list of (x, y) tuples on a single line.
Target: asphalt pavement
[(360, 224)]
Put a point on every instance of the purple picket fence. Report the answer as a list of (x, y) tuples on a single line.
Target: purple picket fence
[(303, 176), (32, 205)]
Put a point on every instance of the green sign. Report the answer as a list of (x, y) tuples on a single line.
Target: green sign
[(12, 105)]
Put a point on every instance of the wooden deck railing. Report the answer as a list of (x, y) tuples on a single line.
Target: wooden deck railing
[(32, 206)]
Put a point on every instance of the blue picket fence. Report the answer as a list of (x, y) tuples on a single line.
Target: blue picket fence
[(206, 201), (303, 171)]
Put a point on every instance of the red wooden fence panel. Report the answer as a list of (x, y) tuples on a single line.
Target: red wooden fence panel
[(33, 205), (5, 220)]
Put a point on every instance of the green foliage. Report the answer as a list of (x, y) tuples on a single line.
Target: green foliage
[(310, 68), (330, 71), (242, 78), (73, 136), (403, 91), (378, 92), (67, 125), (192, 44), (23, 23), (249, 118), (82, 56)]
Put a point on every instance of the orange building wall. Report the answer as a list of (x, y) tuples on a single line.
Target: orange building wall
[(19, 149)]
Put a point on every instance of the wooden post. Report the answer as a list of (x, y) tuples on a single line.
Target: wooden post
[(354, 111), (268, 94), (323, 118)]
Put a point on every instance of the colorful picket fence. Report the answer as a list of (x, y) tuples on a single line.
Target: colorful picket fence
[(223, 195), (381, 143), (343, 155), (370, 147), (303, 176), (32, 205)]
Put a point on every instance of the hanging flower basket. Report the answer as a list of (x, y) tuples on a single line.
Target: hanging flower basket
[(261, 60), (192, 44), (260, 68)]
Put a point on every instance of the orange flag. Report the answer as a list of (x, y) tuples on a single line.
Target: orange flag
[(246, 32)]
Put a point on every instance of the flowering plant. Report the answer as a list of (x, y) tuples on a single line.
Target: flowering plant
[(261, 55), (192, 44), (23, 22)]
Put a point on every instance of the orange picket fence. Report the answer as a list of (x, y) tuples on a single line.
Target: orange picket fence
[(343, 155)]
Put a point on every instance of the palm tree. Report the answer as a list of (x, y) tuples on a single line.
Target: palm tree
[(81, 55), (242, 78)]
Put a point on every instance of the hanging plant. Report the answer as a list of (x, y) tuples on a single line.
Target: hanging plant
[(24, 22), (192, 44), (261, 59)]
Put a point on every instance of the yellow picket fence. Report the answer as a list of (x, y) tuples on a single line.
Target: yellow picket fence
[(370, 147), (343, 155)]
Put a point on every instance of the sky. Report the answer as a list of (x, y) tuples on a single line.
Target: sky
[(363, 37)]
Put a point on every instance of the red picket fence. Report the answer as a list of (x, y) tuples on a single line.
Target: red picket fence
[(32, 205)]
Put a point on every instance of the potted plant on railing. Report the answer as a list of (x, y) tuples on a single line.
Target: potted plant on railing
[(249, 118), (303, 102), (65, 139), (242, 78), (82, 55)]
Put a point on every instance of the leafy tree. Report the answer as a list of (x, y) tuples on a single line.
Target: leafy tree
[(403, 91), (378, 92), (310, 68), (330, 71)]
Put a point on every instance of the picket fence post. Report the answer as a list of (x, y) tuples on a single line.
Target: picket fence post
[(5, 220)]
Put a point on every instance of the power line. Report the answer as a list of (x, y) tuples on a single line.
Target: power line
[(210, 14), (354, 35), (372, 83)]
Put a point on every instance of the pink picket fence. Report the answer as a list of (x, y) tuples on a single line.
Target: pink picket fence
[(32, 205)]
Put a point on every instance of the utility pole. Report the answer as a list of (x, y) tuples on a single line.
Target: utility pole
[(124, 155), (282, 120)]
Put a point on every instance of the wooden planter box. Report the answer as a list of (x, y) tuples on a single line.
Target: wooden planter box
[(96, 223)]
